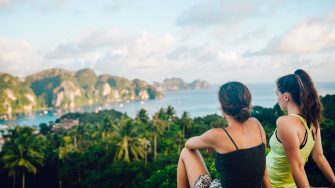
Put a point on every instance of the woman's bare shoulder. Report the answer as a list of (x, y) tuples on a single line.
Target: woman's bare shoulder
[(288, 123), (255, 120)]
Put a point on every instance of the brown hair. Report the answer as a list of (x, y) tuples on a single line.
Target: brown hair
[(235, 99), (304, 94)]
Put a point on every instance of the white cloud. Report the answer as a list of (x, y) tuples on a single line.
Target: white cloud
[(312, 36), (207, 62), (106, 51), (144, 53), (18, 57), (309, 37), (152, 57), (204, 54), (253, 35), (86, 43), (308, 45), (115, 5), (4, 3), (40, 5), (229, 56)]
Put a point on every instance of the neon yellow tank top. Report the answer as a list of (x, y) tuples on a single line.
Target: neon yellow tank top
[(277, 163)]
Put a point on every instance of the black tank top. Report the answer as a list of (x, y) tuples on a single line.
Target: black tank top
[(242, 167)]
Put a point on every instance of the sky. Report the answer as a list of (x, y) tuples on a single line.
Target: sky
[(252, 41)]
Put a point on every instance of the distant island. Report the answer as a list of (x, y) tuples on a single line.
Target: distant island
[(64, 89), (173, 84)]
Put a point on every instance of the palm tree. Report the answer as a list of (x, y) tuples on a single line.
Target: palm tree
[(185, 122), (170, 113), (157, 127), (66, 147), (142, 115), (146, 144), (129, 145), (162, 114), (23, 151), (98, 134), (106, 127), (180, 139)]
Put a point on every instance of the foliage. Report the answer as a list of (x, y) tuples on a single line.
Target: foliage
[(23, 152)]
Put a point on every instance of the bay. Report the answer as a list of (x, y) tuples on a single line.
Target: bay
[(195, 102)]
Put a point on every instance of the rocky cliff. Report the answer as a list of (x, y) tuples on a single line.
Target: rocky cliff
[(59, 88), (16, 96)]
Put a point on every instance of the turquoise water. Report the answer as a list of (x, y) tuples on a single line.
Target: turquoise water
[(196, 102)]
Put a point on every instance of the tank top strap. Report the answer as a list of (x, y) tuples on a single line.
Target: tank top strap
[(302, 120), (230, 138), (260, 131)]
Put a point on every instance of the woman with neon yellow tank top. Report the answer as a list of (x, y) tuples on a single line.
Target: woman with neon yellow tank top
[(297, 134)]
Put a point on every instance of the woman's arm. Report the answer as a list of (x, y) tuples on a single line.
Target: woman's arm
[(321, 161), (203, 141), (266, 180), (288, 134)]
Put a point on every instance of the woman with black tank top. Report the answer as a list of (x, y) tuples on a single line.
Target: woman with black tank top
[(240, 148)]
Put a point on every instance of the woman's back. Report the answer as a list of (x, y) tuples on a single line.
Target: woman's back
[(277, 161), (246, 135), (240, 158)]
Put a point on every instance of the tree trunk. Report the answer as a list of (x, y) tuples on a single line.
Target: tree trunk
[(78, 173), (14, 180), (23, 180), (146, 155), (75, 142), (179, 146), (60, 183), (155, 146)]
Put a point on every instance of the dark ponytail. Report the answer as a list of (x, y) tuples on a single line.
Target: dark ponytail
[(304, 94), (311, 106), (235, 99)]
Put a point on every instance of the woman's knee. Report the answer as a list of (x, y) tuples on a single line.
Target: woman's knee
[(187, 152)]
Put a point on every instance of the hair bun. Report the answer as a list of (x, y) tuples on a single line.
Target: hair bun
[(243, 115)]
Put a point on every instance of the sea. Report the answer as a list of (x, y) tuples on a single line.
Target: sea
[(199, 102)]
